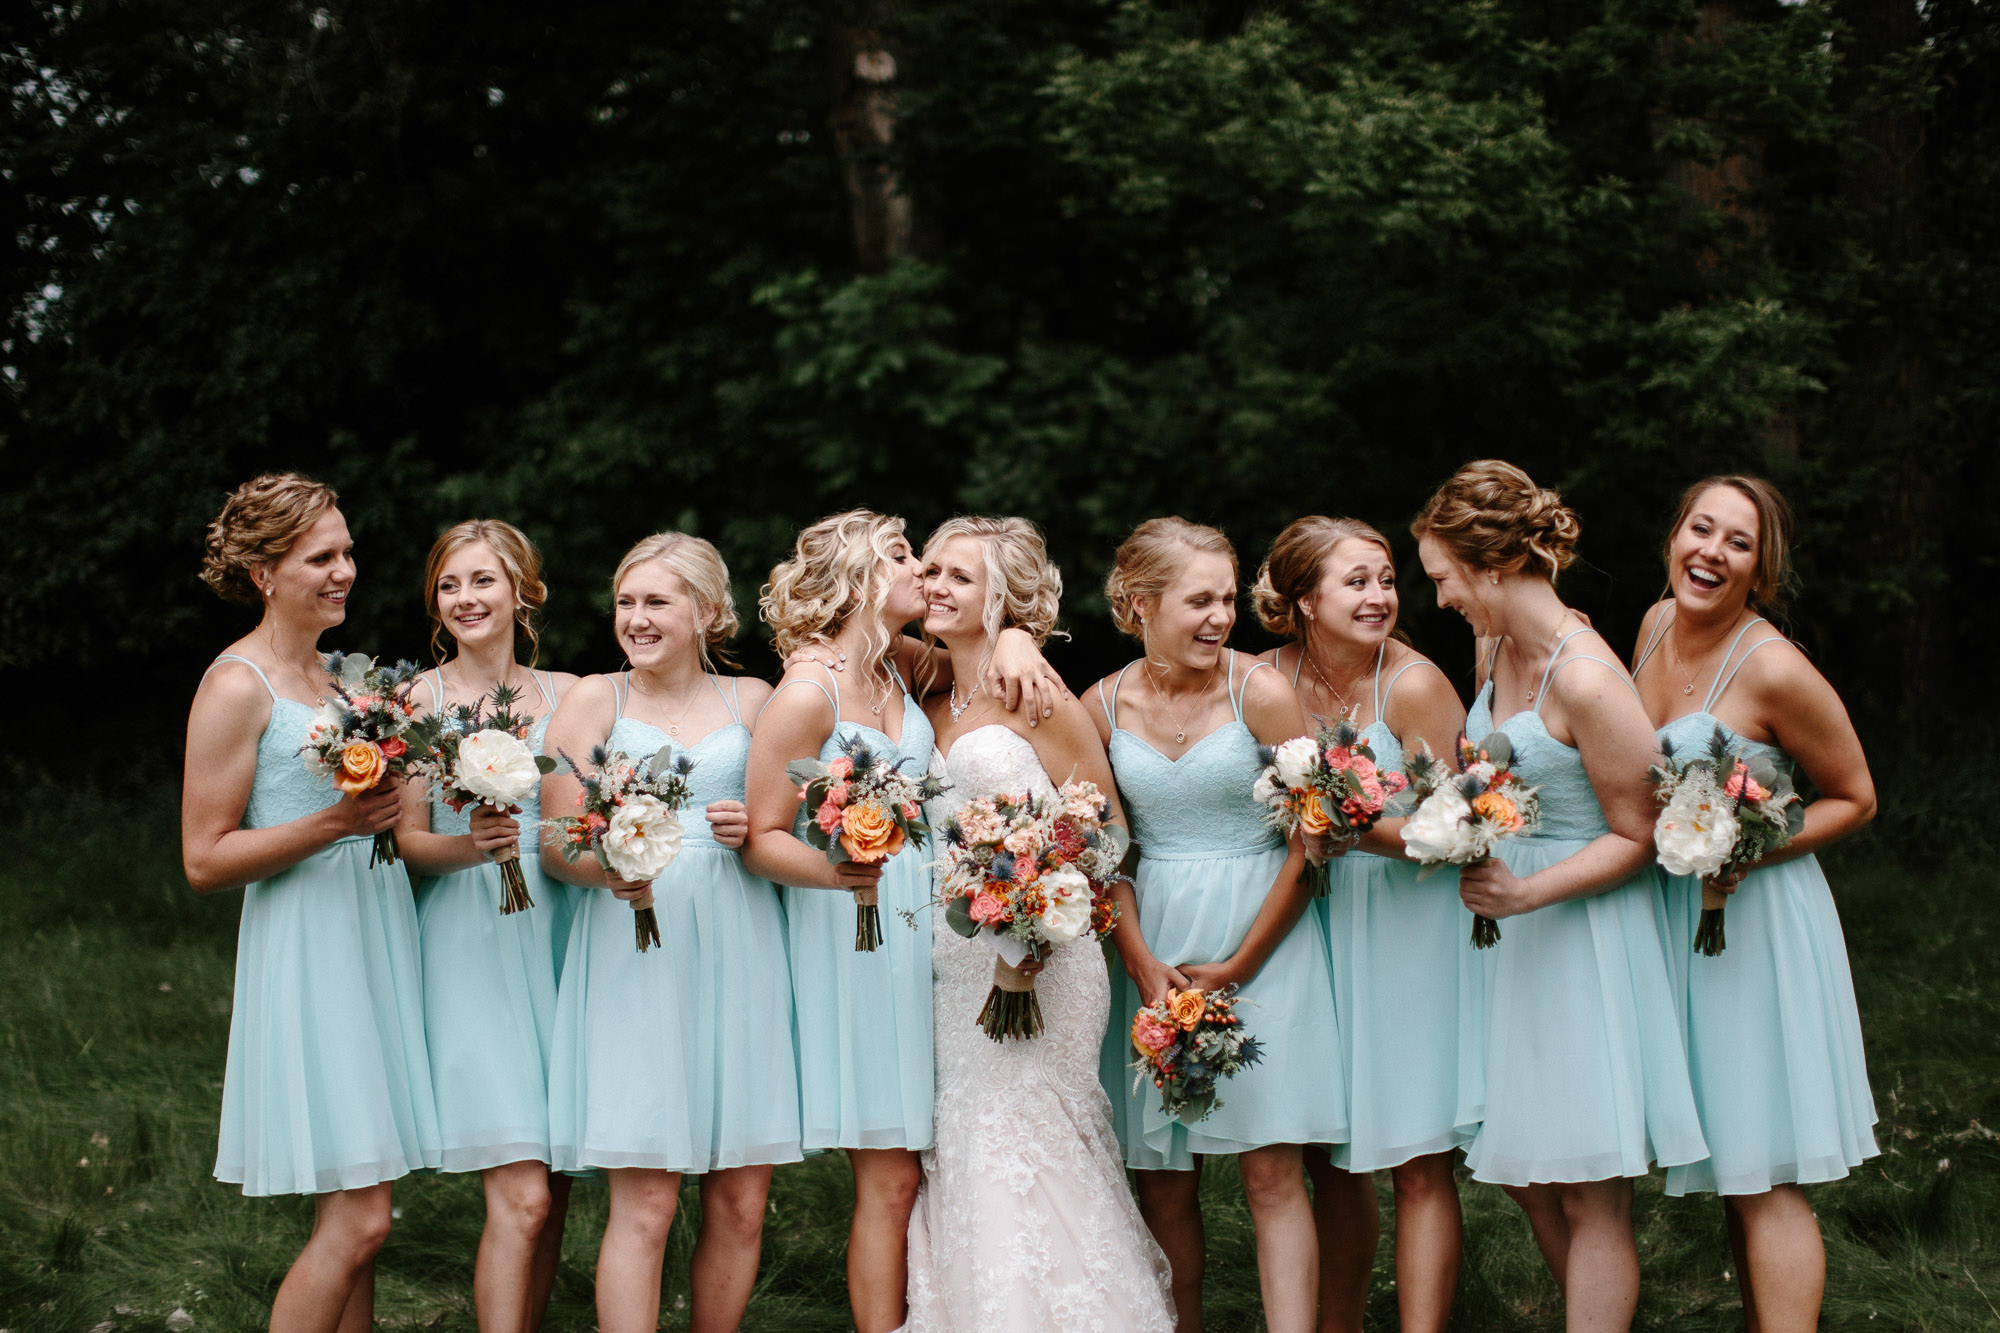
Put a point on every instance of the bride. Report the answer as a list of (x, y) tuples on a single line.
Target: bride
[(1024, 1220)]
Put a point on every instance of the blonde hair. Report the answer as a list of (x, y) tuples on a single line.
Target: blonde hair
[(1023, 589), (1775, 579), (836, 569), (260, 521), (698, 565), (1296, 564), (1151, 559), (1492, 517), (517, 556)]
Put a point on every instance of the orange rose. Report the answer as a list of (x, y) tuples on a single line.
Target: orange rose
[(868, 833), (361, 766), (1312, 815), (1496, 810), (1186, 1007)]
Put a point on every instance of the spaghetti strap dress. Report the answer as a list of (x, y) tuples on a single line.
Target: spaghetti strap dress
[(863, 1026), (1774, 1035), (679, 1058), (1586, 1077), (1408, 993), (328, 1085), (490, 988), (1207, 860)]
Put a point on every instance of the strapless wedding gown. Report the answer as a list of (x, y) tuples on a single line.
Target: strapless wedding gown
[(1024, 1220)]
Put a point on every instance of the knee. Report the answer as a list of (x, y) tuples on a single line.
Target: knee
[(523, 1204), (1424, 1181), (891, 1185), (736, 1216), (1169, 1193), (646, 1209), (1271, 1178), (358, 1231)]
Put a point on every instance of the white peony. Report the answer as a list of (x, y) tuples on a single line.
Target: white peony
[(1267, 787), (1437, 831), (643, 839), (1296, 760), (1068, 914), (1696, 832), (497, 767)]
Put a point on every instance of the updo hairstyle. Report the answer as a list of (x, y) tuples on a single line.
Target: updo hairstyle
[(697, 564), (1775, 580), (518, 558), (1297, 563), (1023, 589), (837, 568), (1148, 562), (1492, 518), (260, 521)]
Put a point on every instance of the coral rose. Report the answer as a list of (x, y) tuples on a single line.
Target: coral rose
[(869, 833), (1313, 818), (361, 766), (987, 909), (1186, 1007), (1149, 1035)]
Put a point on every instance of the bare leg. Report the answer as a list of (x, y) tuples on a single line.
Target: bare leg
[(878, 1240), (1551, 1227), (1274, 1183), (1349, 1223), (517, 1207), (1601, 1289), (331, 1284), (1170, 1201), (1783, 1260), (548, 1250), (635, 1248), (732, 1241), (1428, 1237)]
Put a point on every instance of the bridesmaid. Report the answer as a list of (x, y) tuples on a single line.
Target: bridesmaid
[(490, 980), (678, 1060), (328, 1087), (1586, 1079), (1407, 989), (1774, 1040), (1219, 894), (863, 1019)]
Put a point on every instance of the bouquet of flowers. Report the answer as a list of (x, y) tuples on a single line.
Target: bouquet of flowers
[(361, 736), (862, 808), (1035, 873), (1325, 785), (628, 822), (1713, 825), (483, 758), (1463, 812), (1187, 1042)]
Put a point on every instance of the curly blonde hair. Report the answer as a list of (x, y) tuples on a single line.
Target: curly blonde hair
[(1492, 517), (518, 558), (1148, 562), (1775, 579), (1023, 588), (1296, 564), (698, 565), (838, 567), (260, 521)]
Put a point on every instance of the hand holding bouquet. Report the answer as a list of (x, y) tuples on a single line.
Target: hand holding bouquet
[(1035, 873), (1716, 826), (484, 759), (862, 808), (628, 822), (1187, 1042), (1326, 786), (361, 736), (1463, 813)]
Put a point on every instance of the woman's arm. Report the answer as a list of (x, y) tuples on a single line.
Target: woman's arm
[(793, 725), (583, 721), (230, 711), (1808, 722), (1423, 709)]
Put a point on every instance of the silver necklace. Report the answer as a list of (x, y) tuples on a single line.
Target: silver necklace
[(958, 709)]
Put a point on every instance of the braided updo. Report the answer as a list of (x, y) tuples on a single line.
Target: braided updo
[(259, 522), (1492, 517)]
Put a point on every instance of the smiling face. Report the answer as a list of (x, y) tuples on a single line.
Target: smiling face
[(1712, 559), (657, 620), (1356, 594), (475, 596), (955, 589), (1189, 623), (312, 579), (1457, 585)]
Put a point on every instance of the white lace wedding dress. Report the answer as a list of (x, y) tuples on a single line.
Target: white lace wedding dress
[(1024, 1220)]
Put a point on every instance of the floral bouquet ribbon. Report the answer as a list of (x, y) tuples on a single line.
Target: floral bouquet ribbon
[(862, 808), (1462, 813), (629, 821), (1714, 826)]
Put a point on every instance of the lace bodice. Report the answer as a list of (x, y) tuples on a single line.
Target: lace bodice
[(1569, 803), (1200, 803), (284, 789), (985, 761)]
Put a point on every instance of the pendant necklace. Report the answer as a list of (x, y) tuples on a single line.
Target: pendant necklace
[(687, 705), (1549, 653), (1325, 684), (1180, 723)]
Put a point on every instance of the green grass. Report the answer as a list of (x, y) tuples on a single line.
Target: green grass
[(114, 985)]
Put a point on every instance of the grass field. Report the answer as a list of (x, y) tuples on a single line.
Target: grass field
[(114, 996)]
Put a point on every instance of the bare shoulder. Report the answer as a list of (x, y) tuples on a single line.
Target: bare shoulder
[(232, 689), (563, 682), (1262, 683), (1418, 680), (803, 695), (1778, 667), (1275, 657), (1650, 622)]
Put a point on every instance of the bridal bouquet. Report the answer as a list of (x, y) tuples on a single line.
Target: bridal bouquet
[(1187, 1042), (1714, 826), (1463, 813), (1326, 786), (1035, 873), (361, 736), (862, 808), (483, 758), (628, 822)]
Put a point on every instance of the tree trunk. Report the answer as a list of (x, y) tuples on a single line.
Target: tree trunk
[(864, 127)]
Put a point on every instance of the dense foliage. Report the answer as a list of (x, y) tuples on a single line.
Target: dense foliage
[(614, 269)]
